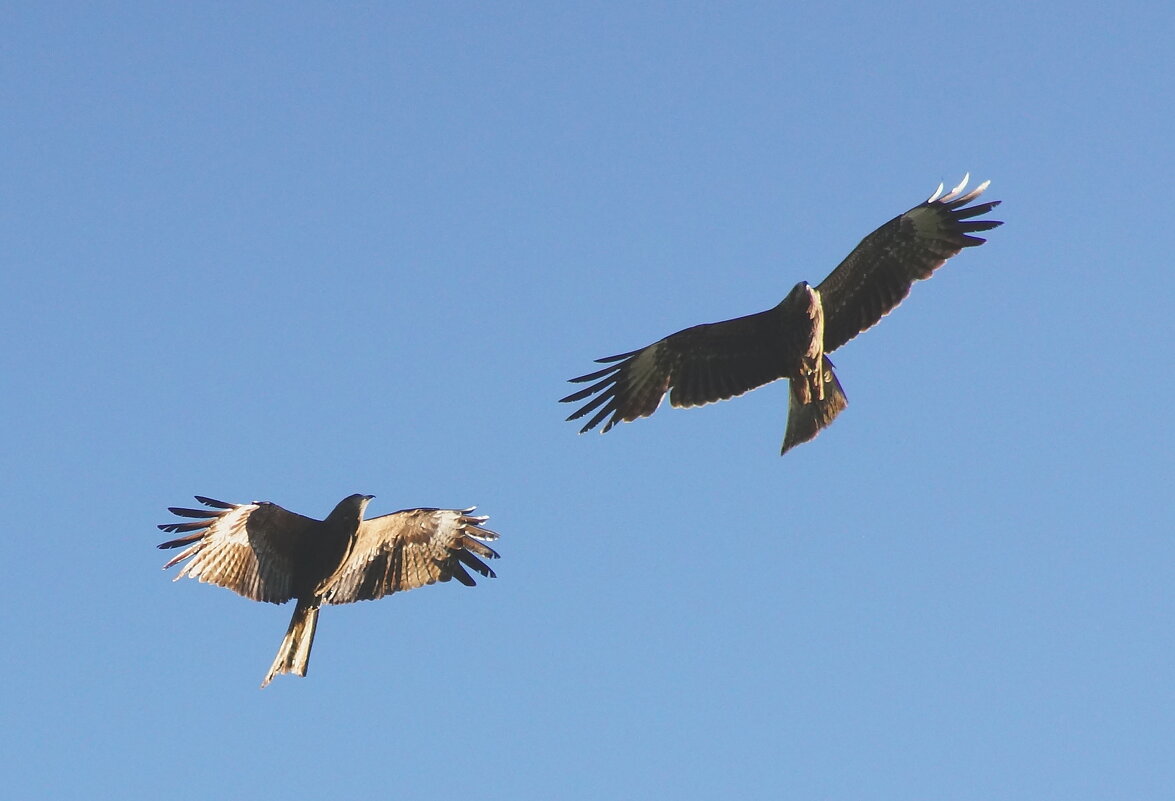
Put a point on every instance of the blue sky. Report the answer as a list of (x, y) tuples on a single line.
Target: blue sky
[(295, 251)]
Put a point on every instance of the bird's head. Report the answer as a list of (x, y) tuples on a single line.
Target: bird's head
[(803, 298), (798, 292), (351, 508)]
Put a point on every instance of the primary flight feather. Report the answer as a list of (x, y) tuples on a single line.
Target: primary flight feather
[(716, 361)]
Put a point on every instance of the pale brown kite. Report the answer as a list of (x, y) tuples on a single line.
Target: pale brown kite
[(716, 361), (266, 553)]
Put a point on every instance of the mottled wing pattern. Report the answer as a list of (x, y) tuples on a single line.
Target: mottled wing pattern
[(700, 365), (878, 274), (247, 548), (410, 549)]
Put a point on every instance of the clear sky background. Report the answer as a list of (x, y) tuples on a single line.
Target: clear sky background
[(295, 251)]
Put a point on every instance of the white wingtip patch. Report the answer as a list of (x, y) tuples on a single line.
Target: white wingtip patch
[(962, 184), (953, 195), (974, 193)]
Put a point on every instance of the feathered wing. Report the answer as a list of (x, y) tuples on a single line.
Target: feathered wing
[(410, 549), (700, 365), (247, 548), (878, 274)]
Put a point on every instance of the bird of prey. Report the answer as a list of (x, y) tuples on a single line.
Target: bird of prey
[(266, 553), (716, 361)]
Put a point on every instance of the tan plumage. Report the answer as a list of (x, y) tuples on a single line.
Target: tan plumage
[(716, 361), (267, 553)]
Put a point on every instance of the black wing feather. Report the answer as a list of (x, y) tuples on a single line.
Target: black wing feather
[(878, 274), (698, 365)]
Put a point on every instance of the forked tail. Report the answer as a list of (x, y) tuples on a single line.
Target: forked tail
[(294, 654), (806, 419)]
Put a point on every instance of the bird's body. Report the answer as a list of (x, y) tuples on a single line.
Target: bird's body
[(267, 553), (716, 361)]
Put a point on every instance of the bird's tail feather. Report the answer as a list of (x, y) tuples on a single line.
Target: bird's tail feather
[(808, 413), (294, 654)]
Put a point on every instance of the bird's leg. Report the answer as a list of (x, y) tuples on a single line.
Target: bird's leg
[(814, 357)]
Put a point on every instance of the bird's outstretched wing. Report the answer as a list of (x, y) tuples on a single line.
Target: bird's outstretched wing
[(700, 365), (250, 549), (878, 274), (410, 549)]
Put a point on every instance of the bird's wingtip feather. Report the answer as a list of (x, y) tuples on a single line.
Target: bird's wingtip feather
[(962, 184)]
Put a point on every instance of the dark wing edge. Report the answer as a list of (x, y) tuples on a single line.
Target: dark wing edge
[(623, 391), (409, 549), (878, 274), (241, 547), (698, 365)]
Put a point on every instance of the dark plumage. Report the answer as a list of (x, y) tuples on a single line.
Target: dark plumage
[(266, 553), (716, 361)]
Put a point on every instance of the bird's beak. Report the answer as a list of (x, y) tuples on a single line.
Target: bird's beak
[(368, 497)]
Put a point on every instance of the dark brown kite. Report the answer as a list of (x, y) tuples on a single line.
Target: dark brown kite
[(717, 361), (266, 553)]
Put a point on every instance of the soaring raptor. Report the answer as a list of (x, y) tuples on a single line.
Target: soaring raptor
[(717, 361), (266, 553)]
